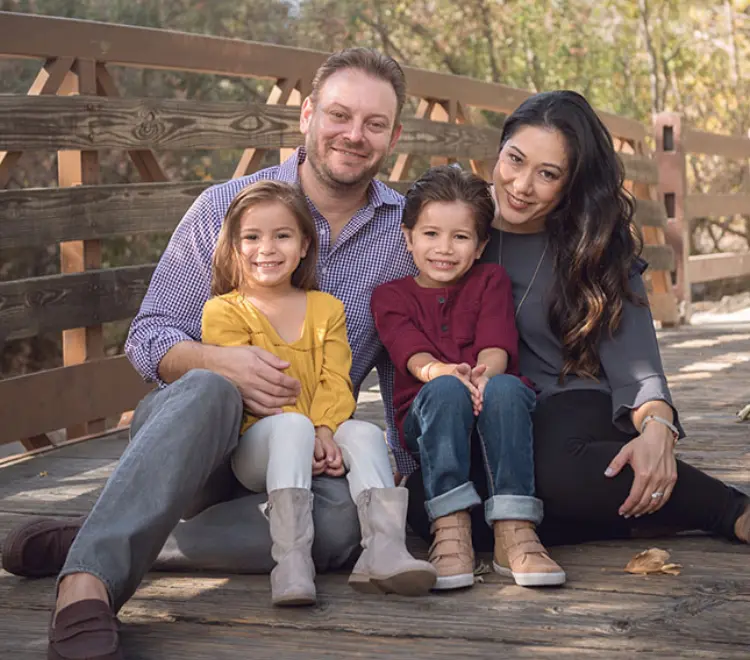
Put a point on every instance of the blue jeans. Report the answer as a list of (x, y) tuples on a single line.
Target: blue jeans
[(438, 430)]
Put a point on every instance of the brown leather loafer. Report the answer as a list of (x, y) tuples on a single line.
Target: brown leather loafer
[(39, 547), (86, 629)]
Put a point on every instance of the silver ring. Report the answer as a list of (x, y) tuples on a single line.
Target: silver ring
[(656, 495)]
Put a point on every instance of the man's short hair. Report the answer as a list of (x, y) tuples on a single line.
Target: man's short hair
[(369, 61)]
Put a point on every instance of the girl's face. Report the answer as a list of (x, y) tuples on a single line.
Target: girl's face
[(271, 244), (530, 177), (444, 243)]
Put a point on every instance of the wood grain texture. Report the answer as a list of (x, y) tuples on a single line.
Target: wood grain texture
[(602, 612), (57, 398), (60, 302), (94, 123), (659, 257), (26, 35)]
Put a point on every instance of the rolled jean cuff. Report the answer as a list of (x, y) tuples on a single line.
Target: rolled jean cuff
[(459, 498), (513, 507)]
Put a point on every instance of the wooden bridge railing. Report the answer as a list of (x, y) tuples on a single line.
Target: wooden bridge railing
[(675, 142), (74, 108)]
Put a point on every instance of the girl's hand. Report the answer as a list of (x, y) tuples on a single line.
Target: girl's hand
[(327, 458), (651, 456)]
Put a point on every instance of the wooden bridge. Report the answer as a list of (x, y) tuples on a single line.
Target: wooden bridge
[(74, 108)]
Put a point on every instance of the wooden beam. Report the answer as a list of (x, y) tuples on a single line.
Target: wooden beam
[(97, 123), (649, 213), (144, 160), (45, 216), (72, 300), (640, 169), (74, 169), (712, 267), (404, 161), (26, 35), (713, 206), (659, 257), (92, 390), (281, 94), (700, 142), (47, 81)]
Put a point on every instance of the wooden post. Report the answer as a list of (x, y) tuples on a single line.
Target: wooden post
[(670, 158), (76, 168)]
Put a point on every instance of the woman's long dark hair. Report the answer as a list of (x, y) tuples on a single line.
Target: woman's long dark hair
[(592, 238)]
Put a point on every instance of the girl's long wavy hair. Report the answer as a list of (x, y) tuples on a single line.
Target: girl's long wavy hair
[(591, 233), (228, 271)]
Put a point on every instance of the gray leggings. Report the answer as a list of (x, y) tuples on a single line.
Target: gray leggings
[(173, 503)]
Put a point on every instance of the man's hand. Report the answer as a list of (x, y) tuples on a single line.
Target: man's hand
[(327, 458), (260, 378), (651, 456)]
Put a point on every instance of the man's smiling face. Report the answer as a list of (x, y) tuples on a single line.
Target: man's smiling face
[(350, 129)]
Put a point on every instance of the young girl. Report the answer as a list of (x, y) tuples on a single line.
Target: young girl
[(263, 283), (451, 334)]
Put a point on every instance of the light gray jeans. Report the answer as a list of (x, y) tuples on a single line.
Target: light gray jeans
[(173, 503), (277, 452)]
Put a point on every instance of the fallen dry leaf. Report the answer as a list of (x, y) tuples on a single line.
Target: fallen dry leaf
[(652, 561)]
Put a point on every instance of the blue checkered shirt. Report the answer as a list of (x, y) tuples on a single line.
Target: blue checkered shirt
[(369, 251)]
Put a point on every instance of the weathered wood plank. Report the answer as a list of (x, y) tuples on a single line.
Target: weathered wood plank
[(60, 302), (659, 257), (92, 390), (713, 206), (640, 169), (712, 267), (93, 123), (729, 146), (44, 216), (649, 213), (162, 49)]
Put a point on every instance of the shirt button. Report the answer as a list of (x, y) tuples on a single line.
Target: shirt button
[(444, 328), (441, 300)]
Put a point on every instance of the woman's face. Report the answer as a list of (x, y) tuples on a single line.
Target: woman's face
[(530, 176)]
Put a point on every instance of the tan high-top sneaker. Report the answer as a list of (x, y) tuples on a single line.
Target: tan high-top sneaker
[(451, 552), (519, 554)]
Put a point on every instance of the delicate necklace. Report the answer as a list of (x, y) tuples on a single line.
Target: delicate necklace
[(533, 277)]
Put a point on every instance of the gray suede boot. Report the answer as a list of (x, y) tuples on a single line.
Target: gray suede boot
[(290, 516), (385, 564)]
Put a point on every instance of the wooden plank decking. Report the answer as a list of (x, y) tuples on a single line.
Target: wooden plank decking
[(602, 612)]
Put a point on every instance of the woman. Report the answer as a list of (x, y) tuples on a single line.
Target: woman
[(604, 428)]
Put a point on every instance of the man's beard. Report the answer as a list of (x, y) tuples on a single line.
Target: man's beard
[(329, 178)]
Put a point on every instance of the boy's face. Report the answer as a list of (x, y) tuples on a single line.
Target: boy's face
[(444, 243)]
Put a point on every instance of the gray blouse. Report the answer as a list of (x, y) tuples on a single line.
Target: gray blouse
[(631, 368)]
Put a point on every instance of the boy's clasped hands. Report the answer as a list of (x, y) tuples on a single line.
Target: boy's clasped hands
[(474, 378)]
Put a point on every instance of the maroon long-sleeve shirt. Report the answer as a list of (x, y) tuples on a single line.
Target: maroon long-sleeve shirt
[(453, 324)]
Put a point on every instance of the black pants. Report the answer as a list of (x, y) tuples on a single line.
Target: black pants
[(574, 441)]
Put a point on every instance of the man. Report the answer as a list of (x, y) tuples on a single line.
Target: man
[(176, 465)]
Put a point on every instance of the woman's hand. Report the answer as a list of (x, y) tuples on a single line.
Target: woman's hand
[(327, 458), (651, 456)]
